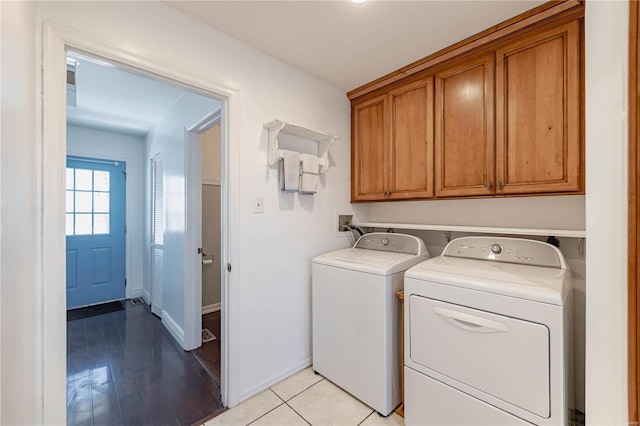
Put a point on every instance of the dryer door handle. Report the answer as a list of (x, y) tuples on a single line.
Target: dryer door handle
[(469, 322)]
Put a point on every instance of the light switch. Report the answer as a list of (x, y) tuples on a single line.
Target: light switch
[(257, 205)]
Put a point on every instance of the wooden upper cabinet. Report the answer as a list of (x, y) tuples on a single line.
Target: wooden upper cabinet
[(538, 136), (411, 141), (368, 148), (464, 128)]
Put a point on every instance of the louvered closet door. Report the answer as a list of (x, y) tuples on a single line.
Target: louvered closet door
[(157, 234)]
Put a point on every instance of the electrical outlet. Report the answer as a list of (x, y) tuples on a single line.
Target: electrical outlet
[(344, 220)]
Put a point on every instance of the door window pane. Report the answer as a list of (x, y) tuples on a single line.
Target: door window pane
[(87, 201), (83, 224), (101, 223), (84, 180), (69, 223), (69, 179), (101, 202), (100, 180), (69, 202), (83, 202)]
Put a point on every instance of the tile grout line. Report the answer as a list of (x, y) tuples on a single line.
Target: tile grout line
[(279, 405), (302, 391), (293, 409), (366, 417)]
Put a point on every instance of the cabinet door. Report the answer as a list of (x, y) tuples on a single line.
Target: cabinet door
[(538, 134), (464, 139), (368, 146), (411, 141)]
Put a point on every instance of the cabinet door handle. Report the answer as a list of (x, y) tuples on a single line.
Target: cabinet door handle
[(489, 185), (499, 185)]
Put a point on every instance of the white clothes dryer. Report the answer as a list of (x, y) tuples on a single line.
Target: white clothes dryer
[(487, 335), (357, 321)]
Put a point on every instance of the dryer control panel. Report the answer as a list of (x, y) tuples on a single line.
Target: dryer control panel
[(510, 250), (398, 243)]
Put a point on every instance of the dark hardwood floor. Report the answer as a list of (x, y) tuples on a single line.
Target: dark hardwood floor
[(209, 353), (123, 368)]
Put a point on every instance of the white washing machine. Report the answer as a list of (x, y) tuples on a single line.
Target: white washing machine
[(487, 335), (357, 320)]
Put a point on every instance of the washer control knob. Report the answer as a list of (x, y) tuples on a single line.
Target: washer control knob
[(385, 241), (496, 248)]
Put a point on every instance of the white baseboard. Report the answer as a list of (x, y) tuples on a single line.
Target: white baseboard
[(176, 331), (214, 307), (133, 293), (254, 390), (146, 296)]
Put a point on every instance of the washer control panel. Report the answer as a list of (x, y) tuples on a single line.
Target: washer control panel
[(399, 243), (509, 250)]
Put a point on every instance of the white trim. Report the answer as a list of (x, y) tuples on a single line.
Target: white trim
[(479, 229), (214, 182), (146, 296), (133, 293), (277, 378), (193, 238), (214, 307), (173, 327), (50, 252)]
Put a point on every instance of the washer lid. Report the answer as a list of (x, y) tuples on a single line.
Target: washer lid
[(370, 261), (540, 284)]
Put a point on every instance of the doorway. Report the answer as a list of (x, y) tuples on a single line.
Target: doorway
[(209, 353), (113, 349)]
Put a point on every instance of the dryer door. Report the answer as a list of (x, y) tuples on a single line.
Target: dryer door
[(501, 356)]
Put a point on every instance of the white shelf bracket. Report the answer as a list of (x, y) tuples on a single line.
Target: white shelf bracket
[(324, 140)]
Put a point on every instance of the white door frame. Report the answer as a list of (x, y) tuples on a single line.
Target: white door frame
[(193, 209), (50, 253)]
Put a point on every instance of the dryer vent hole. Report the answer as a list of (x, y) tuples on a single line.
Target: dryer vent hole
[(207, 336)]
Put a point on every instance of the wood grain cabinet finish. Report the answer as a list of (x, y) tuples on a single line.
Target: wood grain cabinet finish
[(504, 118), (464, 128), (411, 141), (538, 113), (368, 149), (392, 144)]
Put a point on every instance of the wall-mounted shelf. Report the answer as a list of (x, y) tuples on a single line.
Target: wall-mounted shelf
[(478, 229), (325, 140)]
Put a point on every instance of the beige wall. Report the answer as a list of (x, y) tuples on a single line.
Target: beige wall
[(211, 165), (211, 238), (211, 244)]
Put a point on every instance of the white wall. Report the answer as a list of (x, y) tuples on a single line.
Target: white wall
[(130, 149), (168, 137), (606, 25), (557, 212), (21, 312), (271, 265)]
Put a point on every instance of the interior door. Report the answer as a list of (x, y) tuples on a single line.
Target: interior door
[(157, 234), (95, 229)]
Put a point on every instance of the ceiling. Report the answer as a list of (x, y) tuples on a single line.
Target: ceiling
[(348, 44), (115, 99)]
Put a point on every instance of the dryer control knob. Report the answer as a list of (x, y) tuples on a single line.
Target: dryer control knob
[(496, 248), (385, 241)]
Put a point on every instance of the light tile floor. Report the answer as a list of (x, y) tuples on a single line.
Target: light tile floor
[(304, 399)]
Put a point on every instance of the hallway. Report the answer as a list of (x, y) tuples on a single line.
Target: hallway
[(125, 368)]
